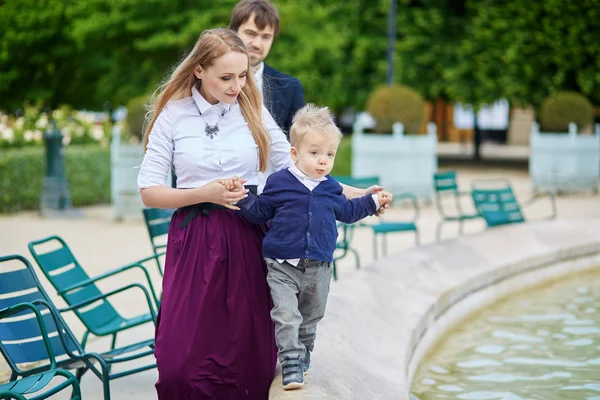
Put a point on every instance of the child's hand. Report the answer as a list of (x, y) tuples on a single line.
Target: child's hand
[(234, 185), (384, 198)]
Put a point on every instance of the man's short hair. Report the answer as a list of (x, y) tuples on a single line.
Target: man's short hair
[(264, 12), (311, 118)]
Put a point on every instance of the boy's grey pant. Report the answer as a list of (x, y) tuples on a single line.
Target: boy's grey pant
[(299, 299)]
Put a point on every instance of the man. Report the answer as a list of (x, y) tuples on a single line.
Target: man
[(257, 23)]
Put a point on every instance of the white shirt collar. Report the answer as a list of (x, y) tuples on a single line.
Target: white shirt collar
[(302, 176), (203, 105), (259, 71), (258, 77)]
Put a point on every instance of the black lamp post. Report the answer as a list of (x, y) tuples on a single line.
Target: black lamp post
[(56, 200), (391, 41)]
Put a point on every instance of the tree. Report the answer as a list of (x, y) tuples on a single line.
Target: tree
[(38, 61), (476, 52), (114, 50), (135, 43), (429, 33), (533, 49), (481, 50), (87, 52), (336, 49)]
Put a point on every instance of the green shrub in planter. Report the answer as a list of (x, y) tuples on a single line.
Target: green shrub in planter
[(390, 104), (22, 170), (136, 116), (561, 108)]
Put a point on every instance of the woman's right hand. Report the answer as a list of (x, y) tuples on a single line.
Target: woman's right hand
[(218, 192)]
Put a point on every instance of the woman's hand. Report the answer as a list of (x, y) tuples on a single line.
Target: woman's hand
[(373, 189), (219, 192)]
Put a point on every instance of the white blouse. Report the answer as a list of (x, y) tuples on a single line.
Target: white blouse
[(178, 138)]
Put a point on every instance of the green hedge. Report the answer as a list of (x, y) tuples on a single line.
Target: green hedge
[(88, 173), (22, 171), (343, 158)]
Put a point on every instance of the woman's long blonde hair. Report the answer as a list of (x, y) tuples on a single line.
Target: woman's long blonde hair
[(211, 45)]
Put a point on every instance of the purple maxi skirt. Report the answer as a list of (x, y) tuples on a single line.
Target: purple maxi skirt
[(214, 335)]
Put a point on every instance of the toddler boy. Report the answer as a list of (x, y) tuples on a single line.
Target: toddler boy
[(302, 204)]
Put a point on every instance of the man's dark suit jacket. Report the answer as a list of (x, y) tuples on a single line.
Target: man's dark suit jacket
[(283, 96)]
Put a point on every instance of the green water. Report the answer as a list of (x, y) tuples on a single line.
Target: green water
[(540, 344)]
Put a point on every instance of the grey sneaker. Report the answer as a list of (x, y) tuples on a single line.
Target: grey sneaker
[(291, 372), (306, 363)]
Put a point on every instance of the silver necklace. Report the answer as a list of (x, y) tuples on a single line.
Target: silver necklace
[(211, 131)]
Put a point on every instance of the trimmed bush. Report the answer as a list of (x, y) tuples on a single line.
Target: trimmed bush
[(88, 174), (390, 104), (136, 116), (22, 172), (561, 108)]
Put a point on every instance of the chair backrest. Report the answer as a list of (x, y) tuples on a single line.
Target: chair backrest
[(445, 182), (445, 186), (62, 269), (497, 206), (157, 221), (20, 335), (362, 183)]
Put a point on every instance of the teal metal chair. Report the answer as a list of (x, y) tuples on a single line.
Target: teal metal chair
[(40, 338), (446, 186), (40, 385), (343, 245), (74, 285), (383, 228), (157, 222), (37, 387), (497, 204)]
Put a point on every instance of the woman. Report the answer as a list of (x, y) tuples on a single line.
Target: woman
[(215, 338)]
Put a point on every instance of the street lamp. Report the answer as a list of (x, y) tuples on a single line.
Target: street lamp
[(56, 199), (391, 41)]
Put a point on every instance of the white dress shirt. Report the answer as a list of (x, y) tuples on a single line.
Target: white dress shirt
[(178, 138), (311, 184), (258, 77)]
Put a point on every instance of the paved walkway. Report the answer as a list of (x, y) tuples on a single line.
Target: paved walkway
[(101, 244)]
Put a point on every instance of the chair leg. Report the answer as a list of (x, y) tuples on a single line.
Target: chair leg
[(384, 245), (104, 376), (79, 373), (417, 240), (356, 258), (106, 388), (374, 246), (334, 271), (460, 227), (112, 346), (76, 393), (114, 342), (160, 271), (438, 231), (85, 339)]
